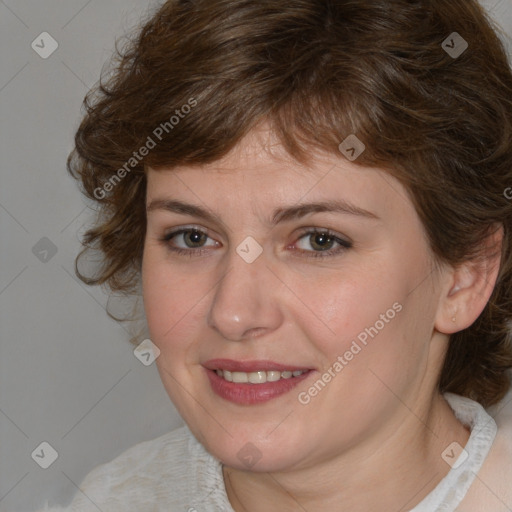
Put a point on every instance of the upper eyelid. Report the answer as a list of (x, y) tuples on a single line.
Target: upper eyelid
[(180, 229)]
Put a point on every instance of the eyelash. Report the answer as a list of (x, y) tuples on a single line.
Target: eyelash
[(344, 244)]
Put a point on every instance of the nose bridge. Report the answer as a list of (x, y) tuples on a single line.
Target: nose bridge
[(243, 301)]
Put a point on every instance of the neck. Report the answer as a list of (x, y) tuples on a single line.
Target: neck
[(394, 470)]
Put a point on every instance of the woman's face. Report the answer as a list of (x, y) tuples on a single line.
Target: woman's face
[(355, 307)]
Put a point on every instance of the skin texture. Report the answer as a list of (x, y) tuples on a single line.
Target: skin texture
[(372, 439)]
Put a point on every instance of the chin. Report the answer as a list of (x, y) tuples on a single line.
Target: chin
[(253, 451)]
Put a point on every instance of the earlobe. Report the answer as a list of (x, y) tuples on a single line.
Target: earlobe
[(469, 287)]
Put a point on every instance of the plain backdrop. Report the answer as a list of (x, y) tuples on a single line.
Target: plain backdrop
[(68, 375)]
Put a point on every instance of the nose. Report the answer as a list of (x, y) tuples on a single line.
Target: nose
[(245, 303)]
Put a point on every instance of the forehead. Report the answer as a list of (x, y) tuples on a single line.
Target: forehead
[(260, 173)]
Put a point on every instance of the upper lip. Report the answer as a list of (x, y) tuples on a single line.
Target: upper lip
[(250, 366)]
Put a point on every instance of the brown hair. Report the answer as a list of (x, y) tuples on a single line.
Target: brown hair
[(318, 71)]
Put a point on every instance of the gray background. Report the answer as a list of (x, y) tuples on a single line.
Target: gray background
[(68, 375)]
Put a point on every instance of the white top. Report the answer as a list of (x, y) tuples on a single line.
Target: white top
[(174, 473)]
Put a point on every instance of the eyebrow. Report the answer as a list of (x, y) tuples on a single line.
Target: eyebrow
[(282, 214)]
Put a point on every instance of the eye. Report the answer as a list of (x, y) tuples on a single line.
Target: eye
[(193, 239), (323, 240)]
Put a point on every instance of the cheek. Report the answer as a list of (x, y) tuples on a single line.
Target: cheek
[(162, 301), (174, 304), (351, 306), (374, 323)]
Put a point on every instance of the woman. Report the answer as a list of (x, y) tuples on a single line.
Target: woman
[(312, 195)]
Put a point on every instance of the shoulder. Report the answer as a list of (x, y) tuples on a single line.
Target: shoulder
[(151, 473), (492, 489)]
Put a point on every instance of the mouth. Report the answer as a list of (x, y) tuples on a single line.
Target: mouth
[(253, 382)]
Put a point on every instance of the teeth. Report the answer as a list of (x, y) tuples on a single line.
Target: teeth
[(259, 377), (240, 377), (273, 376)]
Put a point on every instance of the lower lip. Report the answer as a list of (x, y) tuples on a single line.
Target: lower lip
[(249, 394)]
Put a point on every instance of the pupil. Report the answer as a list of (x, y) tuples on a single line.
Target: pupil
[(322, 240), (195, 236)]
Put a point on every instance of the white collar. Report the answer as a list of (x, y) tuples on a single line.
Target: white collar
[(451, 490)]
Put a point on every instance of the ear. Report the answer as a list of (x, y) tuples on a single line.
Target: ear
[(469, 287)]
